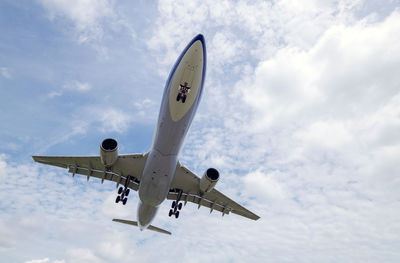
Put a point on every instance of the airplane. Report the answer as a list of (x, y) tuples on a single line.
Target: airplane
[(158, 175)]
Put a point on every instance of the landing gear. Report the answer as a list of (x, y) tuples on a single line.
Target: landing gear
[(183, 90), (176, 205), (123, 192), (174, 210), (182, 96)]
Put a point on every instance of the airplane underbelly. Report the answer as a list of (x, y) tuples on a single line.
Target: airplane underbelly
[(146, 214), (157, 177)]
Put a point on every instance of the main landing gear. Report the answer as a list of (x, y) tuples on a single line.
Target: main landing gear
[(176, 206), (123, 192)]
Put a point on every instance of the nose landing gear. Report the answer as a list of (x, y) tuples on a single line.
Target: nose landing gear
[(182, 91)]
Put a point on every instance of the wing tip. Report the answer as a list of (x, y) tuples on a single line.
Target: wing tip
[(246, 213), (37, 158)]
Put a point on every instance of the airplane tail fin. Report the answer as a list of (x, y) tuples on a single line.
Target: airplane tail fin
[(134, 223)]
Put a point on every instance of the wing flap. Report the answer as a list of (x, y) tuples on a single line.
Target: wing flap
[(104, 175), (129, 165)]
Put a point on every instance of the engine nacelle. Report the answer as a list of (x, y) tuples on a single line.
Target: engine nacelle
[(108, 152), (208, 180)]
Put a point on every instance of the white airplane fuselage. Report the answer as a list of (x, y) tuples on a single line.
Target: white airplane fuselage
[(178, 107)]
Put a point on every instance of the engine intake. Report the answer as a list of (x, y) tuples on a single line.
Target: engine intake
[(108, 152), (209, 180)]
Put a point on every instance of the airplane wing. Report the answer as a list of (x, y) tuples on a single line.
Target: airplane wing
[(127, 166), (189, 184)]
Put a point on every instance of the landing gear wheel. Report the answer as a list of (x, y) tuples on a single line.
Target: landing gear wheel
[(120, 190), (178, 97), (176, 214), (124, 201), (173, 204), (127, 192), (180, 206), (118, 199), (170, 212), (183, 98)]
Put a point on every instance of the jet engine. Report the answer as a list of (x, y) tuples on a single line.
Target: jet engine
[(108, 152), (208, 180)]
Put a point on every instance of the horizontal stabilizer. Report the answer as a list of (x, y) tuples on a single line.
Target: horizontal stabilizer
[(134, 223)]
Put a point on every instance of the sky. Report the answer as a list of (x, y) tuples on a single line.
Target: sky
[(300, 114)]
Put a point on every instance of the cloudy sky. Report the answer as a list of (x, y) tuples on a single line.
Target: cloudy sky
[(300, 113)]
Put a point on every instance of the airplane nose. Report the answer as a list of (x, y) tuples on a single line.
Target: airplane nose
[(201, 38)]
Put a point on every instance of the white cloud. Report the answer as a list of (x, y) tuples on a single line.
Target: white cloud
[(87, 15), (54, 94), (7, 237), (83, 255), (92, 21), (5, 72), (114, 120), (264, 186), (143, 107), (2, 167), (77, 127), (331, 134), (111, 251), (225, 48), (81, 87), (45, 260), (348, 73), (244, 29), (78, 86), (75, 85)]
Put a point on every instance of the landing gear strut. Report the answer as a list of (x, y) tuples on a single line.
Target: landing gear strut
[(123, 192), (176, 205)]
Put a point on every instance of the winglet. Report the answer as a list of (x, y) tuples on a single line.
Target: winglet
[(134, 223)]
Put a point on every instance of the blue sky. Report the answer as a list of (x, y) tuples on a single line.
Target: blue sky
[(300, 114)]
